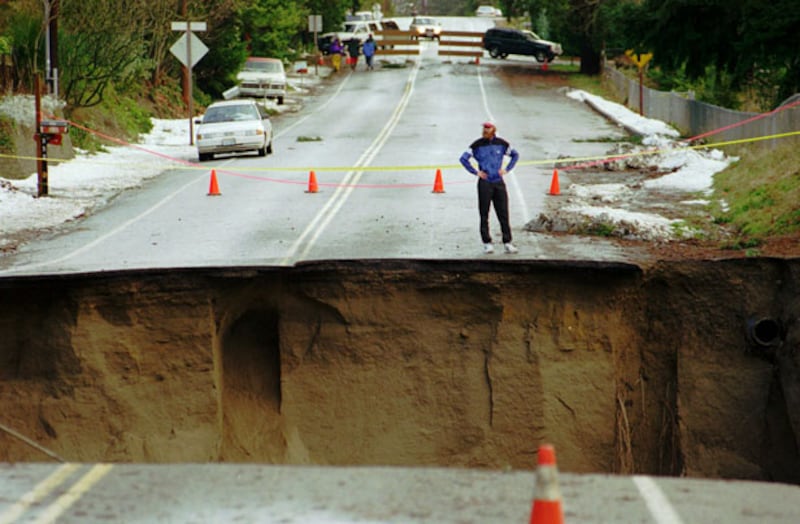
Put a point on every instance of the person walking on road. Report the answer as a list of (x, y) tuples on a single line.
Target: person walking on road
[(352, 52), (369, 51), (489, 152), (336, 51)]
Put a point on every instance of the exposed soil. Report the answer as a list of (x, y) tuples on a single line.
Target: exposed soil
[(413, 363)]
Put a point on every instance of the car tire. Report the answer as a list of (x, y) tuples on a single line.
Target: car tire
[(280, 100), (269, 148), (262, 151), (494, 52), (202, 157), (541, 57)]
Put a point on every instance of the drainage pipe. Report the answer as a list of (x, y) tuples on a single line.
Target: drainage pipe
[(764, 332)]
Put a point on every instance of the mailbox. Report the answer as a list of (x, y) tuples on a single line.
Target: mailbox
[(53, 130), (54, 127)]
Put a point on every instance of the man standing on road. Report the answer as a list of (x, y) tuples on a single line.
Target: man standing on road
[(369, 51), (489, 152)]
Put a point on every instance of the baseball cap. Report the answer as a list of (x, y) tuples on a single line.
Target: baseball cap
[(489, 124)]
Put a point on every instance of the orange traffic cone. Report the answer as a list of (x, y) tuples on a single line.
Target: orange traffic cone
[(213, 188), (312, 183), (554, 190), (547, 504), (438, 185)]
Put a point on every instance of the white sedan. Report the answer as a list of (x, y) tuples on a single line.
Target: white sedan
[(233, 126), (488, 11)]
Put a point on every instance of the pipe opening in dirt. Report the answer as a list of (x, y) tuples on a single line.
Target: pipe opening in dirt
[(764, 332)]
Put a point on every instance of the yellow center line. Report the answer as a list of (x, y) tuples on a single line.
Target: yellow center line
[(40, 491), (84, 484)]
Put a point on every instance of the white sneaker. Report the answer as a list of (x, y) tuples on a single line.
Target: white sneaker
[(488, 249), (510, 248)]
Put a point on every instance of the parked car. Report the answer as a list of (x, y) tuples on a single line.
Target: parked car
[(425, 27), (504, 41), (233, 126), (263, 78), (487, 10)]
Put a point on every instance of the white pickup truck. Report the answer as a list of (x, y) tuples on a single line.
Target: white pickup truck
[(359, 29)]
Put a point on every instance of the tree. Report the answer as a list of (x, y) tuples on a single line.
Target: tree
[(272, 27), (738, 42), (100, 44)]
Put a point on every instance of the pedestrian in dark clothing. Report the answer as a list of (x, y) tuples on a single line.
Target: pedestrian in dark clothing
[(489, 152), (352, 51), (369, 51)]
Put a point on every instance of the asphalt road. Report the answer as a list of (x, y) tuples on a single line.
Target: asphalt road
[(375, 141), (102, 493)]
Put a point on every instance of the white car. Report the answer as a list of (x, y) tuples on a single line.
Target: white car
[(233, 126), (263, 78), (425, 27), (487, 10)]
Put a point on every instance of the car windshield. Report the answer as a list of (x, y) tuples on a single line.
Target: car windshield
[(424, 21), (351, 28), (263, 66), (532, 36), (237, 113)]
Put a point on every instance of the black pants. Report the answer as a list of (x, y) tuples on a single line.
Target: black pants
[(493, 194)]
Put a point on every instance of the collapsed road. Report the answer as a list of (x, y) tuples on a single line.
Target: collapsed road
[(683, 368)]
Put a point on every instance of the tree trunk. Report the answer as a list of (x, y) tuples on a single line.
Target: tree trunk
[(590, 59)]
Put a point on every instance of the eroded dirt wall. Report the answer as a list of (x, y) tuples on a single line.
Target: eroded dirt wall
[(409, 363)]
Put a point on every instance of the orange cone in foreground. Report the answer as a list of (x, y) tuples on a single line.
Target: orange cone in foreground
[(554, 189), (547, 504), (438, 185), (213, 188), (312, 183)]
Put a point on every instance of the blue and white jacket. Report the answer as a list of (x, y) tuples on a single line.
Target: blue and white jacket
[(489, 153)]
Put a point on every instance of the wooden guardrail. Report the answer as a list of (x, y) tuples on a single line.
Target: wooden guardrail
[(395, 42), (469, 43), (451, 43)]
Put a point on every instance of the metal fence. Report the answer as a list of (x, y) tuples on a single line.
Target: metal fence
[(693, 118)]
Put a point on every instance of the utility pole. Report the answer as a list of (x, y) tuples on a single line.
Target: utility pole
[(52, 72), (186, 79)]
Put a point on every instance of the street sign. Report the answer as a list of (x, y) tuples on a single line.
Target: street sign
[(314, 23), (640, 59), (192, 26), (181, 52)]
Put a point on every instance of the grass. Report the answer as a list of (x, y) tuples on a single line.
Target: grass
[(7, 145), (761, 192)]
